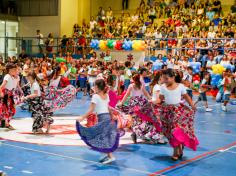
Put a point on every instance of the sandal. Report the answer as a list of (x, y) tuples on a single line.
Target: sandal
[(10, 127), (175, 158)]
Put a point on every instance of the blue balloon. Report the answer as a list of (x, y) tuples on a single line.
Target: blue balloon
[(215, 79), (196, 66)]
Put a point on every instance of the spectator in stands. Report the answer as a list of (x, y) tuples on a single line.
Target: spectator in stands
[(76, 28), (49, 43), (152, 14), (40, 41), (217, 6), (63, 44), (109, 15), (23, 55), (233, 7), (210, 13), (93, 23)]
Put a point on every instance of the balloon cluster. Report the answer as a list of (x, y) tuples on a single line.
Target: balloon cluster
[(128, 45), (103, 44), (218, 69), (111, 43), (94, 44), (196, 67), (215, 79), (138, 45), (118, 45)]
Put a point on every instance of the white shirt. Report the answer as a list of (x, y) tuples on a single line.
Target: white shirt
[(35, 87), (40, 39), (92, 23), (101, 104), (173, 96), (11, 82), (189, 78), (156, 88), (55, 82), (211, 35), (92, 79)]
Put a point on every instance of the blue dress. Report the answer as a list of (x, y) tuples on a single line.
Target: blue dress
[(103, 137)]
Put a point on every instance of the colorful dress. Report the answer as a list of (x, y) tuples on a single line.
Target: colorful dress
[(57, 99), (40, 113), (104, 136), (177, 119), (7, 106), (145, 122)]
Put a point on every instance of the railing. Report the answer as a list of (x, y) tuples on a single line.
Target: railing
[(10, 46)]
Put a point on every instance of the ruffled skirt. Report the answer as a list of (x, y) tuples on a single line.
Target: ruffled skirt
[(146, 124), (40, 113), (7, 106), (59, 98), (102, 137), (178, 125)]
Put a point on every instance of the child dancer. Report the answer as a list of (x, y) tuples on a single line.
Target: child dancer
[(7, 105), (104, 136), (58, 98), (204, 87), (177, 119), (40, 113), (227, 83), (145, 124)]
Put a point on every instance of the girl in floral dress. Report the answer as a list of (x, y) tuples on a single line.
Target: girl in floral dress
[(145, 124), (7, 92), (40, 113), (177, 119), (57, 98)]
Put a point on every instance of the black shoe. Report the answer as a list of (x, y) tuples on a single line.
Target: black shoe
[(134, 138)]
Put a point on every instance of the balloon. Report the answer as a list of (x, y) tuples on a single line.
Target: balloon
[(138, 45), (127, 45), (110, 44), (94, 44), (60, 59), (218, 69), (196, 67), (103, 44), (215, 79), (118, 45)]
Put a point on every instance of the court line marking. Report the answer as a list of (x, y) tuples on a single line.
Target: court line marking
[(231, 152), (75, 158), (195, 159)]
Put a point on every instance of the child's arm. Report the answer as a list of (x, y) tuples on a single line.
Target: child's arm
[(190, 102), (125, 97), (91, 109)]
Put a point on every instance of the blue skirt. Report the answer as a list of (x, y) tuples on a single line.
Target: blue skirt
[(103, 137)]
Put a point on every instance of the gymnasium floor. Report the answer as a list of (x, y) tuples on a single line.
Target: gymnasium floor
[(62, 153)]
